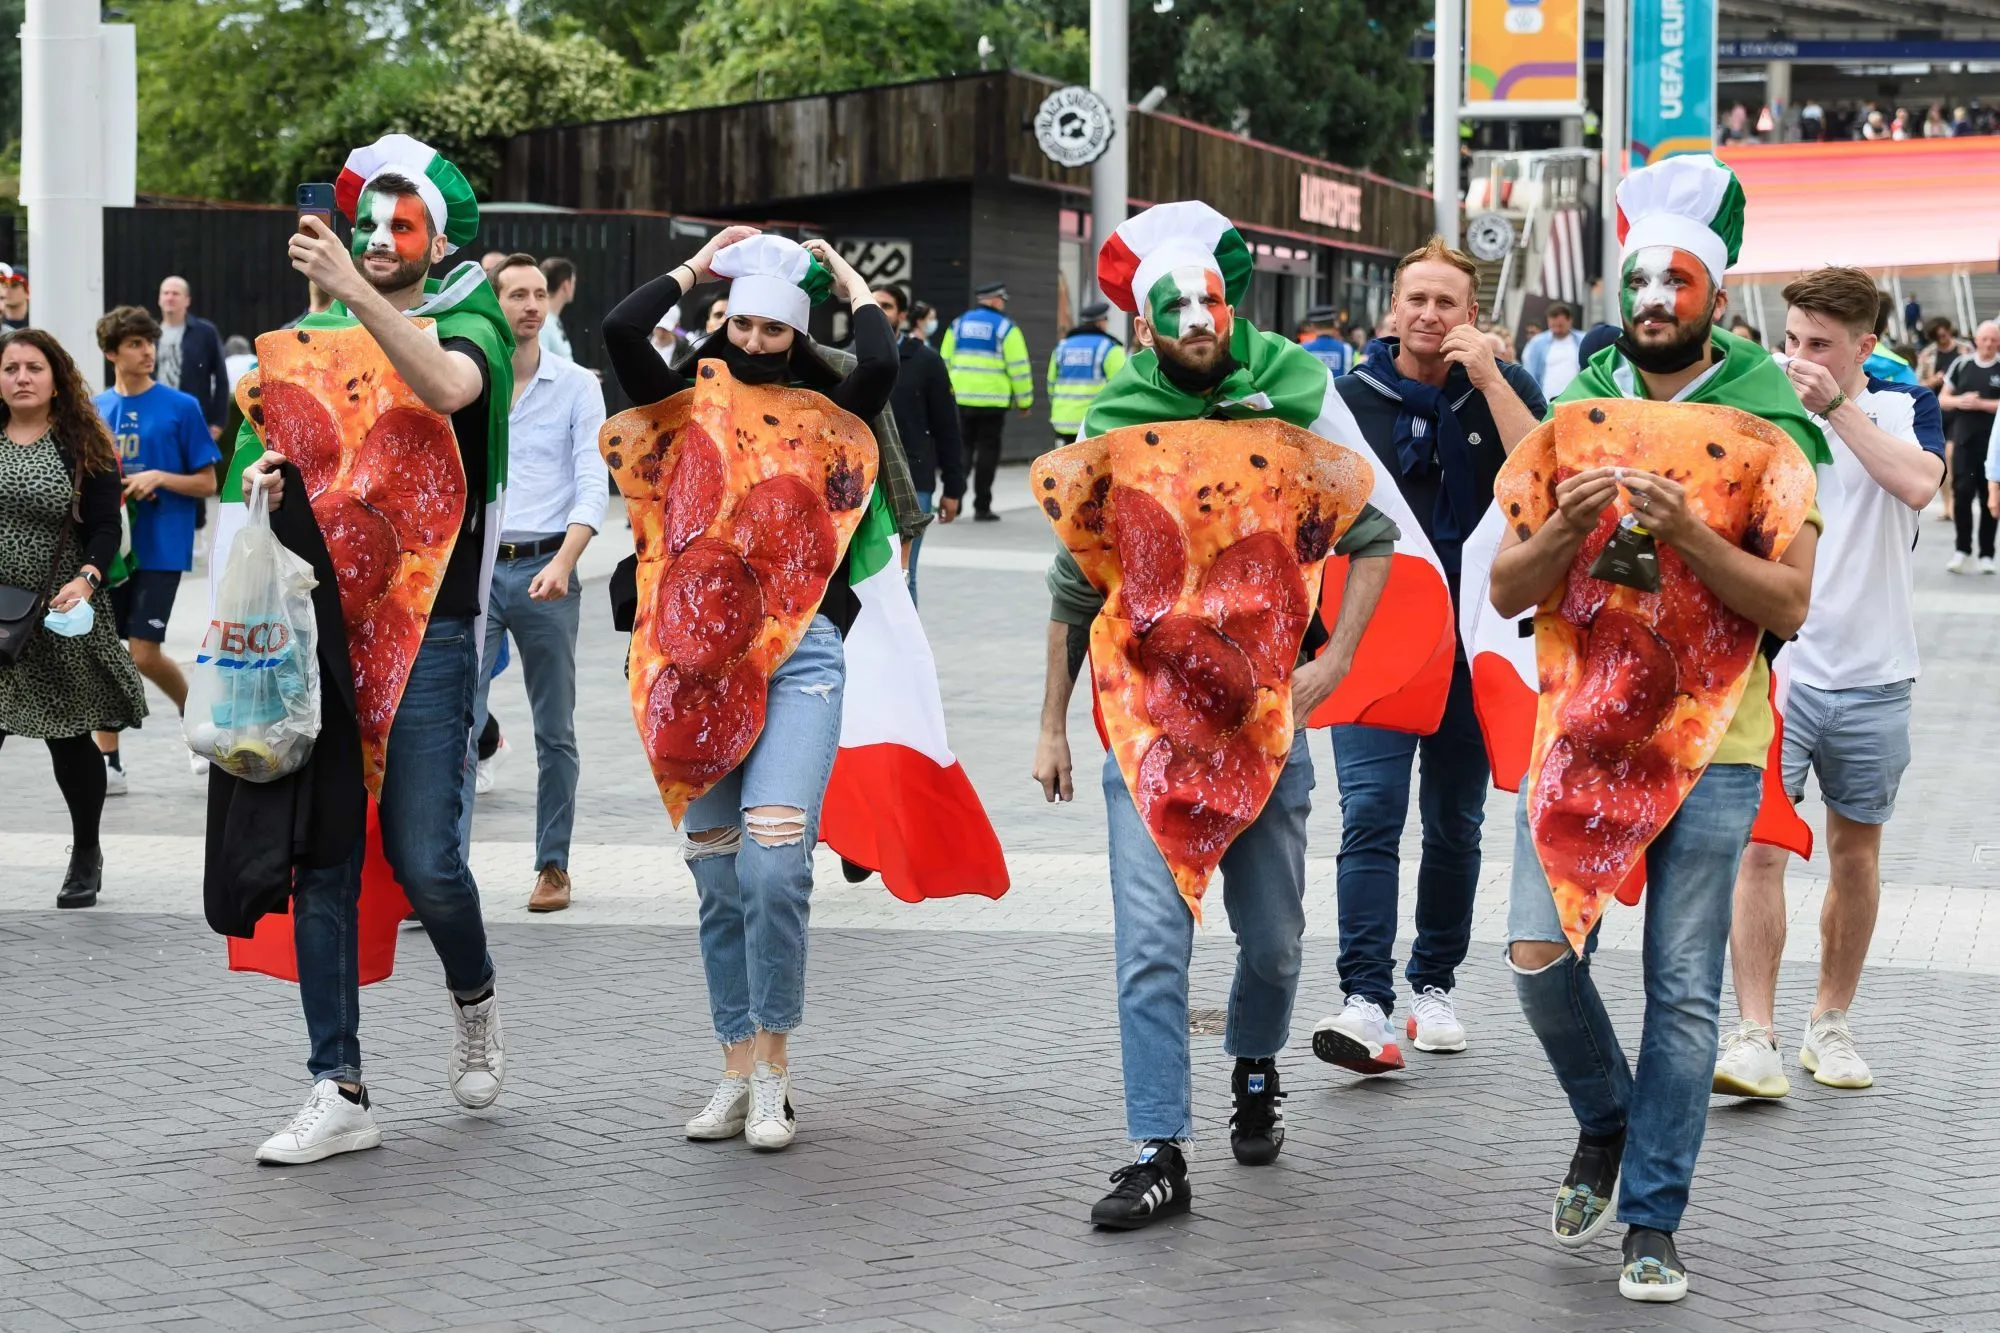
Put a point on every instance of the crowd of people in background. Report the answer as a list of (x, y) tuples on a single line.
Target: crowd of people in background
[(1846, 120)]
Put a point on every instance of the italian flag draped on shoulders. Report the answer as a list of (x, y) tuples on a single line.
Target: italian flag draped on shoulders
[(1692, 203), (1402, 668)]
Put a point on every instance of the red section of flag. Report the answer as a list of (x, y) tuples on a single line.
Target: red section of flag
[(1505, 705), (1402, 671), (383, 907), (894, 810), (1117, 265), (1778, 823)]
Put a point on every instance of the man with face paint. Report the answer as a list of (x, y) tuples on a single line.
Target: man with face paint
[(410, 208), (1181, 267), (1640, 1130)]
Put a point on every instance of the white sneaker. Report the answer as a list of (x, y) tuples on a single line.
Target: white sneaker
[(1829, 1053), (728, 1107), (326, 1125), (1359, 1038), (1433, 1024), (1960, 562), (198, 764), (1748, 1065), (478, 1057), (484, 778), (1986, 565), (114, 781), (772, 1124)]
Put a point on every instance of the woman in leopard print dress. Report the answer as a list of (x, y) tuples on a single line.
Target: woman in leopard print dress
[(59, 498)]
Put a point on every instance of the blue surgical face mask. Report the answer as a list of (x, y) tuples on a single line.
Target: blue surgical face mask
[(930, 327), (73, 623)]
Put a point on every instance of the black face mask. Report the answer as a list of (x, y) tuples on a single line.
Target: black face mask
[(760, 368), (1673, 357), (1188, 379)]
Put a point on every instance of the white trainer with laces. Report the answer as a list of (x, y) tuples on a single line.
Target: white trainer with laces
[(1960, 563), (328, 1124), (1433, 1024), (1829, 1053), (1359, 1038), (114, 781), (1748, 1065), (772, 1124), (478, 1056), (728, 1107), (1986, 565), (487, 771)]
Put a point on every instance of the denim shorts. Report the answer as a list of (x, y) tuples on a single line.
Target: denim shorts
[(1856, 740)]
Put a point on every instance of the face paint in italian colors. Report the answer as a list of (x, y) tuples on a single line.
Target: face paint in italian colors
[(1176, 307), (374, 228), (1662, 282)]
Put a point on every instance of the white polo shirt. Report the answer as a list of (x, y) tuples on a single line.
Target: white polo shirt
[(1861, 630)]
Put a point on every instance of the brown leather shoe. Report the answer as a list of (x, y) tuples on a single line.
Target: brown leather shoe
[(551, 890)]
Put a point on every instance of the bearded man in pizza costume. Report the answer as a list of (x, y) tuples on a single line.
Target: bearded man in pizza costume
[(1154, 479), (1686, 449), (377, 434)]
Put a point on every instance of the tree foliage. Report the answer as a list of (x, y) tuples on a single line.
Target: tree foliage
[(733, 52)]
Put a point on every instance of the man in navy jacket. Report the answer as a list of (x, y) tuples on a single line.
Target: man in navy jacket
[(191, 355)]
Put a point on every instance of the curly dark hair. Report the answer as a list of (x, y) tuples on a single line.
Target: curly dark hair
[(117, 325), (80, 433)]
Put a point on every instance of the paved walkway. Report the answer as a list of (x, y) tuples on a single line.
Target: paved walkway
[(957, 1083)]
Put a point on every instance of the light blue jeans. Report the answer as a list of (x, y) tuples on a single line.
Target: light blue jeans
[(755, 881), (545, 640), (1662, 1107), (1263, 892), (926, 502)]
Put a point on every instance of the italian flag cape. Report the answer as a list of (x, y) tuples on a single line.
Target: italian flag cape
[(1402, 668), (1505, 680), (463, 306), (898, 801)]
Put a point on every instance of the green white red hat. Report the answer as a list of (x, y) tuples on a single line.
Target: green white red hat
[(1690, 202), (772, 277), (443, 188), (1166, 237)]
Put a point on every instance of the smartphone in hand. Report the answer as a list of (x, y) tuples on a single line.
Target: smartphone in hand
[(315, 199)]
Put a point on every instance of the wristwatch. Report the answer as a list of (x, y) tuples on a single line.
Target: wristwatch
[(90, 576)]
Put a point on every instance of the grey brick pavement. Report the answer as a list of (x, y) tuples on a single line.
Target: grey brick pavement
[(960, 1106)]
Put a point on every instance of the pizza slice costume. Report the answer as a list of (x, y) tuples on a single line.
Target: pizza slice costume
[(389, 491)]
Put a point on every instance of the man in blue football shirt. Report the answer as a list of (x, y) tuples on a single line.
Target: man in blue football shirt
[(169, 461)]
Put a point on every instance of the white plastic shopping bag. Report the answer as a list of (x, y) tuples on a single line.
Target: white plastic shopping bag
[(253, 696)]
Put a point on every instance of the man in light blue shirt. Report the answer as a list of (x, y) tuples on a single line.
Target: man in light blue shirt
[(560, 275), (555, 504)]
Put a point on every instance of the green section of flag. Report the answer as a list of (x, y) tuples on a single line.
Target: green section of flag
[(874, 544), (1293, 379)]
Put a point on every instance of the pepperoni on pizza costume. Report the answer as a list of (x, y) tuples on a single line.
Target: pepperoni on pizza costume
[(387, 488), (743, 499), (1207, 539), (1637, 689)]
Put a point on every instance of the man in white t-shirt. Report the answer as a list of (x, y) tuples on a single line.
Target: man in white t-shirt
[(1554, 355), (1847, 712)]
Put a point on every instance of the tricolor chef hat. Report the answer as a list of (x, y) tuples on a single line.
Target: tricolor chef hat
[(772, 277), (443, 187), (1165, 237), (1691, 202)]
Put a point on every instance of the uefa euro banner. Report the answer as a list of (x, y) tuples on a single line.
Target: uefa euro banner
[(1523, 58), (1673, 78)]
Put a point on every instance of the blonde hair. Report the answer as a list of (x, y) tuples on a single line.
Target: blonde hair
[(1435, 251)]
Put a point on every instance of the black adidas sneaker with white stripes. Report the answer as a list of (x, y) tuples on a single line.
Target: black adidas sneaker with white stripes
[(1153, 1187)]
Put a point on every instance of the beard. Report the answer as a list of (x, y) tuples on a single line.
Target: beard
[(1688, 345), (407, 274), (1189, 378)]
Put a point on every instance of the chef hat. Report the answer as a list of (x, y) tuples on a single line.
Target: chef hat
[(443, 187), (1690, 202), (1166, 237), (772, 277)]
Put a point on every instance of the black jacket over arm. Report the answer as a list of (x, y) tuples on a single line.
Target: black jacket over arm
[(927, 418), (99, 531), (259, 831)]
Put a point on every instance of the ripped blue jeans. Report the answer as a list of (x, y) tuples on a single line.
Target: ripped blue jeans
[(754, 873)]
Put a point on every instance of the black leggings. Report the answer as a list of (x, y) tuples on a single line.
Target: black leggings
[(1968, 499), (80, 775)]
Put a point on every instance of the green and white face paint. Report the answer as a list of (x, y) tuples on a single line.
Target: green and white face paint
[(391, 224), (1186, 299)]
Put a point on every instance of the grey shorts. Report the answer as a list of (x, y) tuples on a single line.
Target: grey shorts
[(1857, 741)]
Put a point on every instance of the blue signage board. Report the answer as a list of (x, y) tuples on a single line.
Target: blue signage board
[(1673, 78)]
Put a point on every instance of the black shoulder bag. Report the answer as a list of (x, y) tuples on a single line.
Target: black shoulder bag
[(21, 608)]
